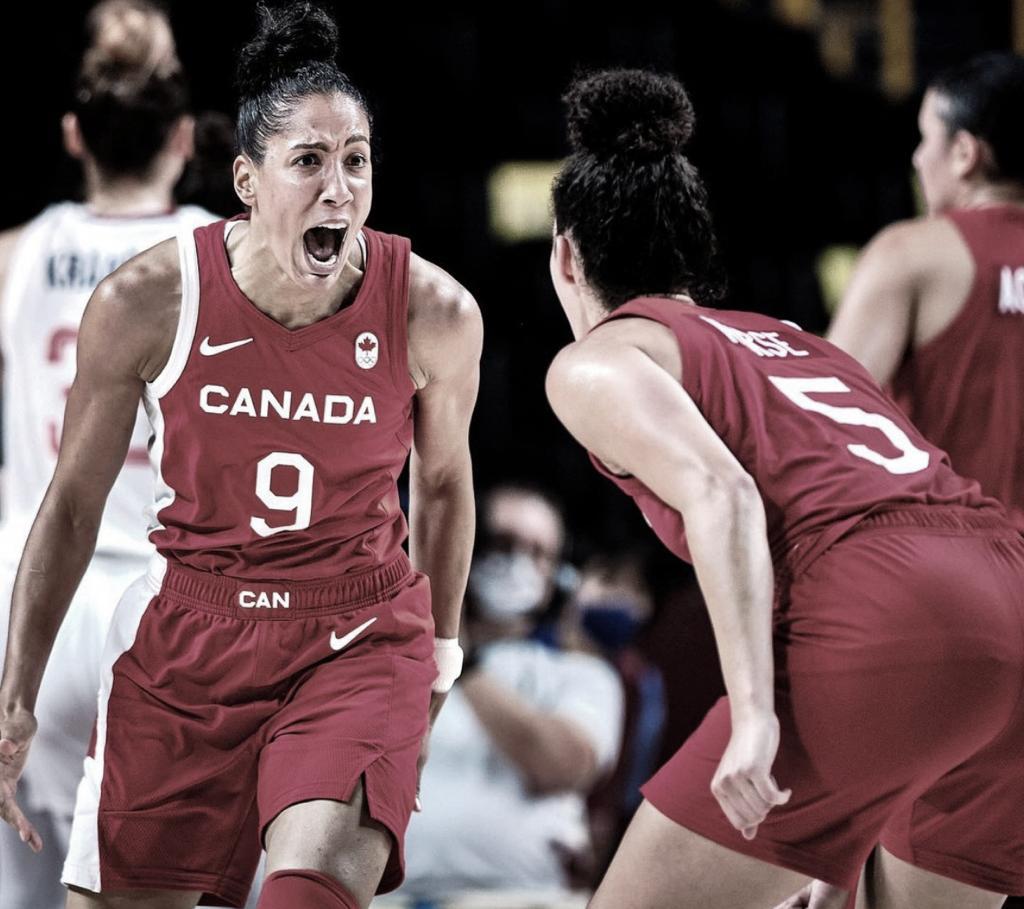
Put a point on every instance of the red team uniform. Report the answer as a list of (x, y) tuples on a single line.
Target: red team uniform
[(281, 647), (964, 389), (898, 617)]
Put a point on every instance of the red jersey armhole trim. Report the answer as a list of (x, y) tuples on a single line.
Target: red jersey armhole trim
[(398, 314), (966, 311)]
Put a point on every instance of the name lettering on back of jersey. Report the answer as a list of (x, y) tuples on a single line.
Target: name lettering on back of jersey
[(761, 343), (249, 599), (1011, 291), (82, 269), (338, 409)]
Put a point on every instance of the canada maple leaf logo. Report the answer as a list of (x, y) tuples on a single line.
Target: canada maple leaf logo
[(367, 350)]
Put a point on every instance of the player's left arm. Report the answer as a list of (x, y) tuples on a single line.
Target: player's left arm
[(445, 339)]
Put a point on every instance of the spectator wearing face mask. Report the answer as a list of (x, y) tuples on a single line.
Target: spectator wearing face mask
[(526, 733), (612, 607)]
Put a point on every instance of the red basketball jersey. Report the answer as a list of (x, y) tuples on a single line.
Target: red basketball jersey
[(278, 451), (822, 441), (965, 389)]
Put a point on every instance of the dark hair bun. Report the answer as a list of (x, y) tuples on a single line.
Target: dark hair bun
[(628, 111), (289, 38)]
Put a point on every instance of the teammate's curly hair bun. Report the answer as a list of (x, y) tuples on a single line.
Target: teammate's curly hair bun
[(632, 202), (630, 112), (290, 38)]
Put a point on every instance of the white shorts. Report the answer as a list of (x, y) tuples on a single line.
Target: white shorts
[(66, 708)]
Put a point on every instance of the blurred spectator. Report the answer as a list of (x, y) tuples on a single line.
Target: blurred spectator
[(130, 129), (613, 605), (208, 179), (525, 734)]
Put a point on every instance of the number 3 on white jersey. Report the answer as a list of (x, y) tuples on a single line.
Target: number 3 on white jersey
[(911, 460), (300, 501)]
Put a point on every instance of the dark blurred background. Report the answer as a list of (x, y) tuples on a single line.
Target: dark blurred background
[(806, 122)]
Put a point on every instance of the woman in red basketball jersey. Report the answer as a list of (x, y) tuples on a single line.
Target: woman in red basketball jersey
[(865, 598), (270, 679), (935, 309), (936, 305)]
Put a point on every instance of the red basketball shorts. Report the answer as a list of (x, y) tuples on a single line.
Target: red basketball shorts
[(224, 702), (899, 677)]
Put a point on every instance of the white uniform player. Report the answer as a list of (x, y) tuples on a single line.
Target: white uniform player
[(57, 261)]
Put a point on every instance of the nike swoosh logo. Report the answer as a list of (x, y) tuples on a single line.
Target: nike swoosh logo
[(339, 643), (211, 350)]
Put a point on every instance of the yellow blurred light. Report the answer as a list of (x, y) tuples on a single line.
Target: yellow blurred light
[(801, 13), (519, 196), (896, 28), (835, 268)]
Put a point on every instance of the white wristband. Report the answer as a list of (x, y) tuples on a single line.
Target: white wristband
[(448, 660)]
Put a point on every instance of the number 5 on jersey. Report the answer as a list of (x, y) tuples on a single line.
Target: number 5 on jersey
[(300, 501), (911, 459)]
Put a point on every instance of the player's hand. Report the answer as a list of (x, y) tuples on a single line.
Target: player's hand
[(16, 731), (816, 895), (436, 702), (743, 783)]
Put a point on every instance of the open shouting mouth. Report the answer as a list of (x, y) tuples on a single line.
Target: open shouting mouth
[(323, 247)]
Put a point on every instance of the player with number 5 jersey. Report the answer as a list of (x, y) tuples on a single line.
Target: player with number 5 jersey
[(866, 599), (271, 680)]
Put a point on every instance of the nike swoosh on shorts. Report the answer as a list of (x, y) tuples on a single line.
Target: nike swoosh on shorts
[(339, 643), (211, 350)]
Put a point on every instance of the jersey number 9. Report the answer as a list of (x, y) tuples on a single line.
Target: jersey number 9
[(300, 501)]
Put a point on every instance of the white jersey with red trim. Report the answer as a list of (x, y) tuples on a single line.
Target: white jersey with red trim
[(59, 259)]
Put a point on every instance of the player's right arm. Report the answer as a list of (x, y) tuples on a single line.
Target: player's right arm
[(626, 409), (8, 243), (874, 321), (125, 338)]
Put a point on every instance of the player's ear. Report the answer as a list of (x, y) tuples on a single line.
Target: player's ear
[(183, 137), (969, 154), (564, 265), (71, 132), (245, 179)]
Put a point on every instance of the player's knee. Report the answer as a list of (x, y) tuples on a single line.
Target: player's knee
[(307, 888)]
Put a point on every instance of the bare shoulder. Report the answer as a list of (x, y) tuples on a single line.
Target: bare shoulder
[(918, 246), (601, 355), (613, 393), (133, 313), (572, 372), (587, 371), (445, 326), (143, 289), (8, 243), (436, 299)]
